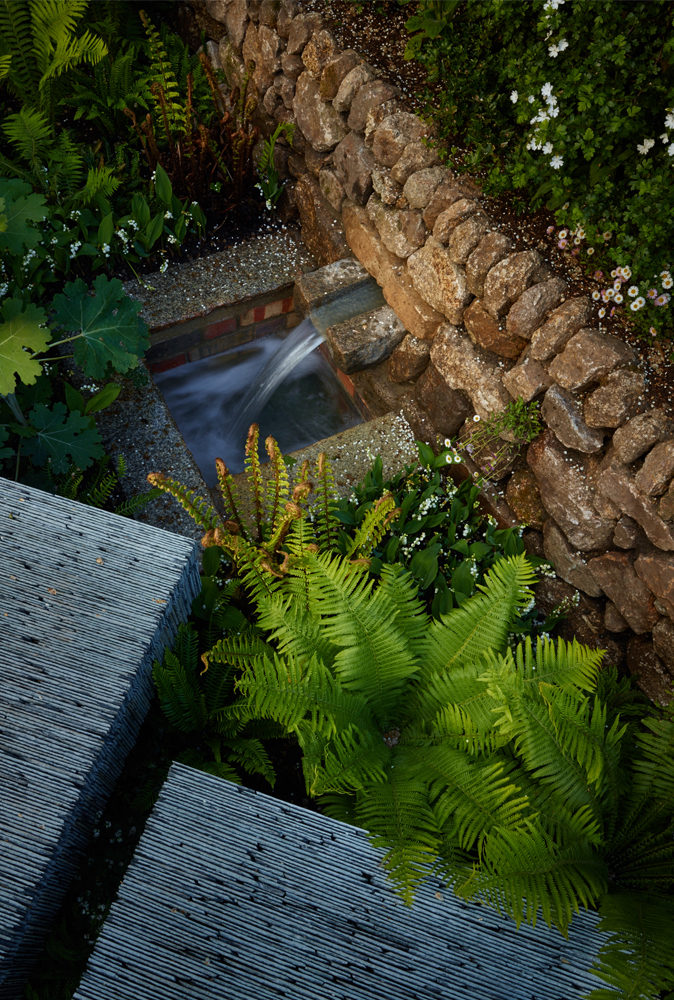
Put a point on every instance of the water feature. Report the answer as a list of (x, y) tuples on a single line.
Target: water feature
[(207, 398)]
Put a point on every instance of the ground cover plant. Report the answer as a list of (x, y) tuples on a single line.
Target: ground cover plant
[(574, 109), (539, 780)]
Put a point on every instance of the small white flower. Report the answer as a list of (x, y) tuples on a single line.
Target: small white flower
[(530, 98), (626, 272), (596, 296), (476, 418), (105, 249), (164, 266), (638, 304), (514, 96), (669, 118), (168, 215), (665, 138), (667, 282), (670, 149), (632, 291), (553, 51), (645, 146), (562, 44), (556, 162), (547, 148), (618, 298)]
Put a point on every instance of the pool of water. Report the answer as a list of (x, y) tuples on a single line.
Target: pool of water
[(205, 399)]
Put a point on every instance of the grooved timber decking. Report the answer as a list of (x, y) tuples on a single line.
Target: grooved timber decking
[(234, 895), (87, 601)]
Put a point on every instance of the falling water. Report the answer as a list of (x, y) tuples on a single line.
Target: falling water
[(294, 349), (349, 302)]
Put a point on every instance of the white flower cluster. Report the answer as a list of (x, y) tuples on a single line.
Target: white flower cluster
[(542, 116)]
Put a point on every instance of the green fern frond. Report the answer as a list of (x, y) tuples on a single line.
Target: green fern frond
[(470, 798), (251, 755), (16, 41), (482, 623), (5, 65), (30, 133), (165, 89), (400, 822), (373, 527), (325, 522), (637, 960), (525, 874), (253, 472), (278, 487), (101, 181), (353, 760), (199, 509), (176, 680)]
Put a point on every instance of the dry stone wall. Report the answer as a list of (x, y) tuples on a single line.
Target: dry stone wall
[(483, 324)]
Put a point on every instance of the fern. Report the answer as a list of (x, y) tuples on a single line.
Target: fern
[(168, 107), (637, 959)]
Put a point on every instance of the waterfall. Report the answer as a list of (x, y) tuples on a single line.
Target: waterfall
[(348, 303), (295, 347)]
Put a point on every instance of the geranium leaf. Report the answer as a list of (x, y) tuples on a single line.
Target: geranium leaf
[(20, 209), (22, 334), (62, 437), (5, 434), (106, 323)]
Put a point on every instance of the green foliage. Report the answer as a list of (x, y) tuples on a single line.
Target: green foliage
[(270, 184), (496, 442), (581, 117), (437, 531), (104, 326), (23, 334), (60, 438), (39, 37)]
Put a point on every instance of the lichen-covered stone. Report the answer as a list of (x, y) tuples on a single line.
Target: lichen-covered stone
[(492, 248), (321, 230), (615, 575), (301, 30), (421, 185), (564, 416), (560, 326), (447, 192), (350, 85), (418, 316), (627, 533), (524, 499), (364, 241), (569, 564), (439, 281), (446, 407), (451, 216), (393, 134), (401, 230), (527, 380), (386, 189), (317, 52), (466, 368), (369, 96), (353, 163), (332, 187), (320, 124), (616, 400), (231, 64), (655, 475), (656, 569), (663, 642), (409, 359), (567, 495), (335, 70), (533, 305), (364, 340), (640, 433), (588, 357), (466, 236), (486, 332), (416, 156), (619, 487), (292, 65), (506, 280), (648, 670)]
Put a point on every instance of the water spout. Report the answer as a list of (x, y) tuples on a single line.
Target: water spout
[(305, 338)]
